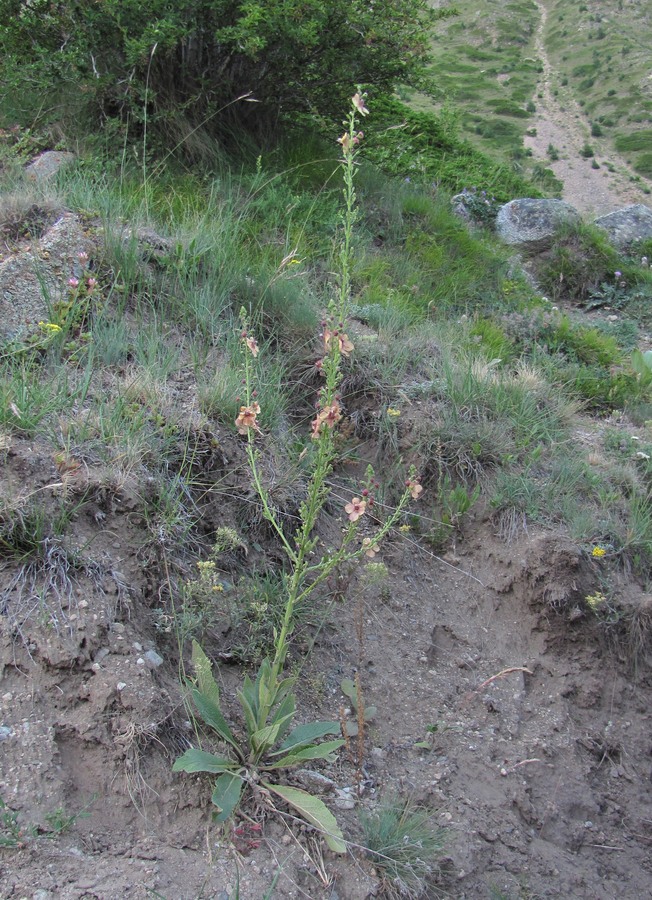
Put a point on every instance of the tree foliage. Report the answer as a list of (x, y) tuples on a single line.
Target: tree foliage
[(131, 58)]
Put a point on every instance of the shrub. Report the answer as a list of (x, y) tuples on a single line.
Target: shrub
[(149, 59), (578, 262)]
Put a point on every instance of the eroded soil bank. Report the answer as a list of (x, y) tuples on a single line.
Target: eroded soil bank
[(540, 762)]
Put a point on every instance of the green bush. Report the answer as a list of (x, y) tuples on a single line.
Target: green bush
[(639, 140), (643, 165), (171, 63), (577, 264)]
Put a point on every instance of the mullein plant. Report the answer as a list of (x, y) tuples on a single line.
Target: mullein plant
[(268, 702)]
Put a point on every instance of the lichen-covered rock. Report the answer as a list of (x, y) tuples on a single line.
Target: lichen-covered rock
[(627, 225), (531, 225), (47, 164)]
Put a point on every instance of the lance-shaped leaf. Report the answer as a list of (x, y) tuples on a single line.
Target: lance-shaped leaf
[(204, 671), (314, 811), (303, 735), (194, 760), (212, 715), (284, 715), (313, 751), (226, 794)]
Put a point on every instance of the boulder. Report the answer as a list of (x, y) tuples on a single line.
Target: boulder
[(47, 164), (531, 225), (36, 276), (627, 225)]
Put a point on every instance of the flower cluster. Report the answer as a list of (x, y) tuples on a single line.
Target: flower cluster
[(598, 552)]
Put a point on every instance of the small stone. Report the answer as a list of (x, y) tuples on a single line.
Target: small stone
[(140, 661), (138, 647), (5, 732), (120, 686), (153, 659), (286, 839), (8, 697)]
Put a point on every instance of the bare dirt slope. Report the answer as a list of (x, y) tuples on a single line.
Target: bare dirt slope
[(559, 121), (540, 762)]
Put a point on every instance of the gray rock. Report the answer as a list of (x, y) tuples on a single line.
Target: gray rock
[(531, 225), (624, 226), (47, 164), (153, 660), (37, 276)]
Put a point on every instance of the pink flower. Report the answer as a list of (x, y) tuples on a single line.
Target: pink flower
[(329, 415), (252, 345), (73, 282), (370, 547), (345, 141), (92, 283), (414, 488), (247, 418), (358, 100), (355, 509), (345, 344)]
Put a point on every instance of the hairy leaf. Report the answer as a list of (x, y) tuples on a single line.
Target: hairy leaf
[(313, 810), (306, 734), (314, 751), (200, 761), (204, 671), (212, 715), (226, 794)]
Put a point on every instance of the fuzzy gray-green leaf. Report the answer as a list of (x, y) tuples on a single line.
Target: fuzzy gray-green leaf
[(194, 760), (313, 810), (306, 734), (313, 751), (204, 671), (226, 795)]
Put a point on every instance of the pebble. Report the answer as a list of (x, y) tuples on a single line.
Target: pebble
[(5, 732), (153, 659), (120, 686)]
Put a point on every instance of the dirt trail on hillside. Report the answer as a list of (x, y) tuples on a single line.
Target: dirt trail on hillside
[(560, 121)]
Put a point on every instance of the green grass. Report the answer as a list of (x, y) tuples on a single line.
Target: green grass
[(442, 319)]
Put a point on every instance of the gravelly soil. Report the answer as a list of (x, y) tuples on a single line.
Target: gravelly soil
[(540, 776)]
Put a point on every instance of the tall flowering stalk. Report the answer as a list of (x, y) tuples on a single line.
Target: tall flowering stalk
[(268, 703), (306, 574)]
